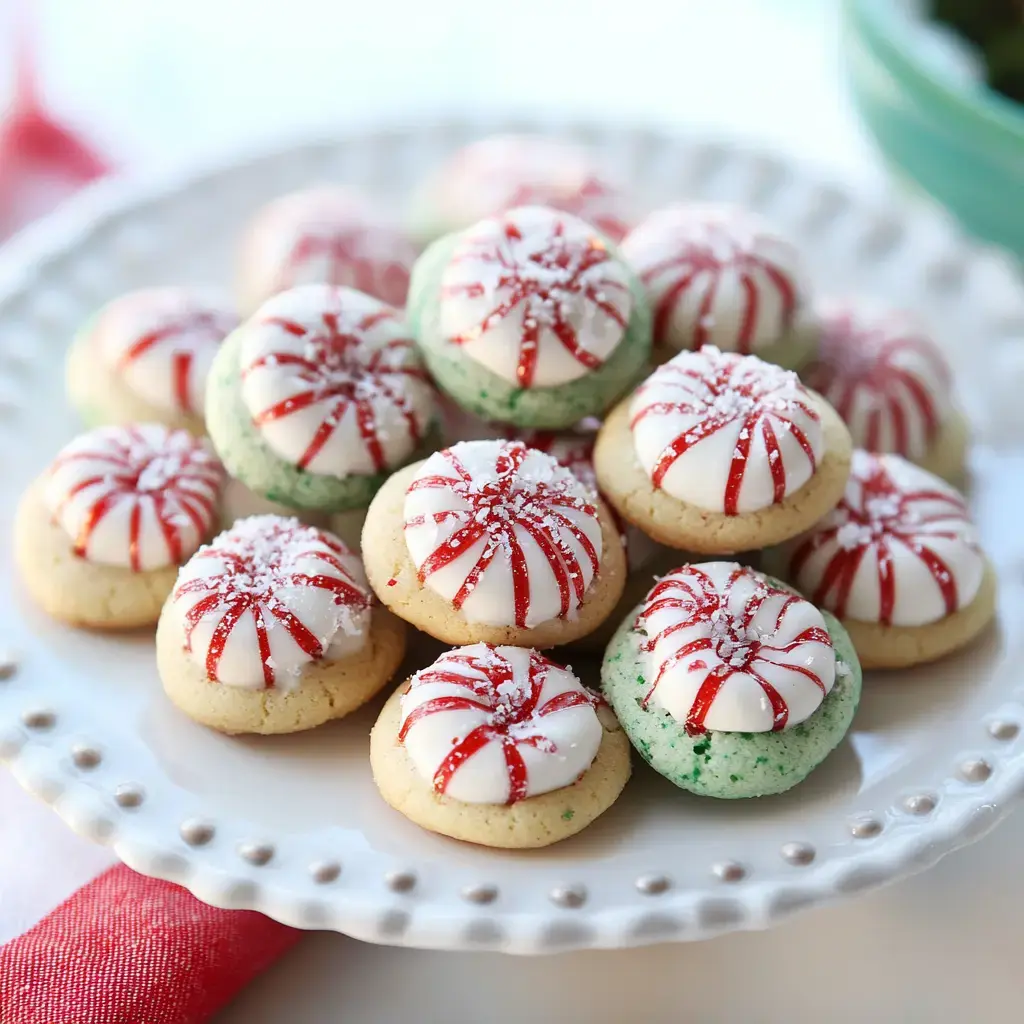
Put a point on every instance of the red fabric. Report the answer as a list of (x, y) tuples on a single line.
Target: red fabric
[(126, 949), (41, 161)]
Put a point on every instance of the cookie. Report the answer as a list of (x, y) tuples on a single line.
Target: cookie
[(730, 685), (98, 538), (271, 628), (529, 318), (498, 746), (718, 453), (899, 562), (315, 399), (499, 173), (721, 275), (323, 235), (890, 382), (492, 541), (145, 356)]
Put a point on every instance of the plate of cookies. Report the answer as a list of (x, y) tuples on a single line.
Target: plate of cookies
[(490, 536)]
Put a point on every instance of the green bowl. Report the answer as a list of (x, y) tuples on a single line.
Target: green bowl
[(962, 144)]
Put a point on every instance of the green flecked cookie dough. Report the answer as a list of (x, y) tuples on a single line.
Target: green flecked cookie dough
[(728, 765), (247, 457), (479, 391)]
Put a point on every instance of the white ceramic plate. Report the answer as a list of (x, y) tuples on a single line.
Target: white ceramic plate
[(293, 827)]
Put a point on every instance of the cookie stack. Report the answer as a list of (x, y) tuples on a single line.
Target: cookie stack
[(653, 443)]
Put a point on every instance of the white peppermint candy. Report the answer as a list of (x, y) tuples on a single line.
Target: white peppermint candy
[(499, 173), (885, 376), (716, 275), (899, 549), (268, 597), (141, 497), (333, 381), (503, 532), (727, 651), (725, 432), (161, 343), (494, 725), (535, 297), (325, 235)]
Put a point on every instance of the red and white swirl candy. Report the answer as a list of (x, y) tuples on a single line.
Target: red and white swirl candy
[(494, 725), (496, 174), (503, 532), (333, 381), (885, 376), (574, 449), (535, 297), (899, 549), (141, 497), (325, 235), (730, 652), (268, 597), (725, 432), (161, 342), (716, 275)]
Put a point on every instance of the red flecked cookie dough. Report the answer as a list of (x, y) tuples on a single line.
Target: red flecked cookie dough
[(718, 452)]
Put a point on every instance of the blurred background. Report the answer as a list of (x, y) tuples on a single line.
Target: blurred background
[(149, 82)]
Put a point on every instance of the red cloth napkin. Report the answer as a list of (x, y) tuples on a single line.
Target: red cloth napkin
[(126, 949)]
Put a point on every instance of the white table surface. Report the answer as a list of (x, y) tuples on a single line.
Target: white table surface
[(202, 73)]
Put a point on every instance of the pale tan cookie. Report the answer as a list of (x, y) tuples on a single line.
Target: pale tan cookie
[(947, 457), (74, 590), (144, 357), (881, 646), (526, 824), (629, 489), (102, 397), (393, 577), (898, 561), (327, 689), (100, 535)]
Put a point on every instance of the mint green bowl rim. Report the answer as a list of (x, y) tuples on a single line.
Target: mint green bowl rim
[(888, 32)]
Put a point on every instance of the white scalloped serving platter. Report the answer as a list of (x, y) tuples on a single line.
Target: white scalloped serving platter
[(293, 827)]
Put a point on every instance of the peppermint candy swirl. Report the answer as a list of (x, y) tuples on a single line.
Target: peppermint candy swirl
[(899, 549), (161, 343), (268, 597), (886, 378), (725, 432), (497, 174), (503, 532), (140, 497), (333, 382), (730, 652), (535, 297), (326, 235), (716, 275), (495, 725)]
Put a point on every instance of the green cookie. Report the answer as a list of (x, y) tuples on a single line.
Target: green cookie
[(247, 457), (728, 765), (493, 398)]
